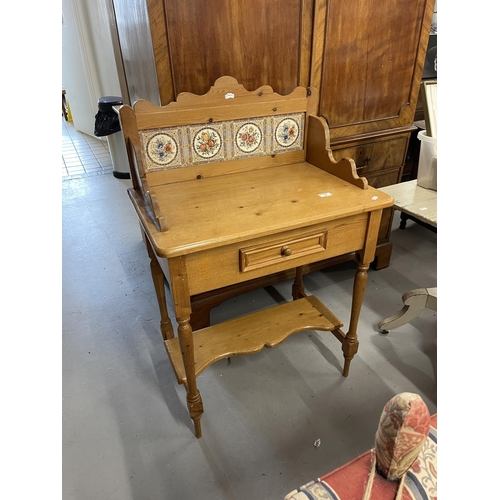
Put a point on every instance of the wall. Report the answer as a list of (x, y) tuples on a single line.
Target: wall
[(89, 68)]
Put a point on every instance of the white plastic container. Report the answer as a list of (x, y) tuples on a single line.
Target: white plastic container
[(427, 163)]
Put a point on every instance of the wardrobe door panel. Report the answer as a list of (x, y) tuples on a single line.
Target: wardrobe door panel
[(372, 63), (133, 31), (258, 43)]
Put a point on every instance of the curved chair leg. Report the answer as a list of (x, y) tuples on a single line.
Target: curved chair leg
[(414, 302)]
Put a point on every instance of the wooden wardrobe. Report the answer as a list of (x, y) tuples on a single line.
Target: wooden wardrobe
[(365, 57)]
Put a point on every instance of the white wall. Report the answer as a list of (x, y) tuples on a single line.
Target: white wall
[(88, 62)]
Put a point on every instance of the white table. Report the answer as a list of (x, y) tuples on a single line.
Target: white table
[(419, 204)]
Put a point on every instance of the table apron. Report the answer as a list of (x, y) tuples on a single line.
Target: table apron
[(215, 268)]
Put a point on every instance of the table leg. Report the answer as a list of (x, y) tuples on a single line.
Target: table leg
[(182, 303), (298, 291), (166, 328), (383, 255), (193, 397), (351, 342), (402, 223), (200, 316), (414, 302)]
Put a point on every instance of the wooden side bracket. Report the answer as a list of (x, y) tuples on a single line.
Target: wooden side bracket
[(151, 197), (319, 154)]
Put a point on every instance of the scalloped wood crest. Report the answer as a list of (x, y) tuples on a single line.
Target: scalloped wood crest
[(227, 91)]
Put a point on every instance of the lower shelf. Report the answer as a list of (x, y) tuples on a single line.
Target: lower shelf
[(251, 333)]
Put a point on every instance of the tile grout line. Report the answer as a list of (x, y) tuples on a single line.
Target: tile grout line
[(83, 156)]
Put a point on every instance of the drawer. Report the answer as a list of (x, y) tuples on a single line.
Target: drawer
[(258, 256), (239, 262), (375, 156), (384, 179)]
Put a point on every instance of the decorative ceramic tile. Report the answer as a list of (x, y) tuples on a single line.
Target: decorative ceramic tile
[(177, 147), (288, 132), (207, 143), (161, 148), (249, 138)]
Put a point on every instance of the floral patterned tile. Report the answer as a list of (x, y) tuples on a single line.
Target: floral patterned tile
[(162, 148), (208, 143), (175, 147), (288, 133), (249, 138)]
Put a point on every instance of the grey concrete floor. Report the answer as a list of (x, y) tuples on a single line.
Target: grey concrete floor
[(126, 430)]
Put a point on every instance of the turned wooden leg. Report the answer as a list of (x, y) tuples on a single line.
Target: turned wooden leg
[(351, 342), (298, 291), (182, 303), (166, 328), (193, 397)]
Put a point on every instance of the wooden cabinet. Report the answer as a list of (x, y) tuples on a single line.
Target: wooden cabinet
[(368, 57), (375, 158), (258, 43), (365, 57)]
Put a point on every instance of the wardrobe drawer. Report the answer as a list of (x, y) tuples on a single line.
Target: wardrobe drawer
[(383, 179), (375, 156)]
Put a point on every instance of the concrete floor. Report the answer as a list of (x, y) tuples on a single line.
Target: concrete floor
[(126, 430)]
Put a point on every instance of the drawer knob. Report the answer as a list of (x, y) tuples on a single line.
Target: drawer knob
[(286, 251)]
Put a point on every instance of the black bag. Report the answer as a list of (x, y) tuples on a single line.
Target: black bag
[(106, 123)]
